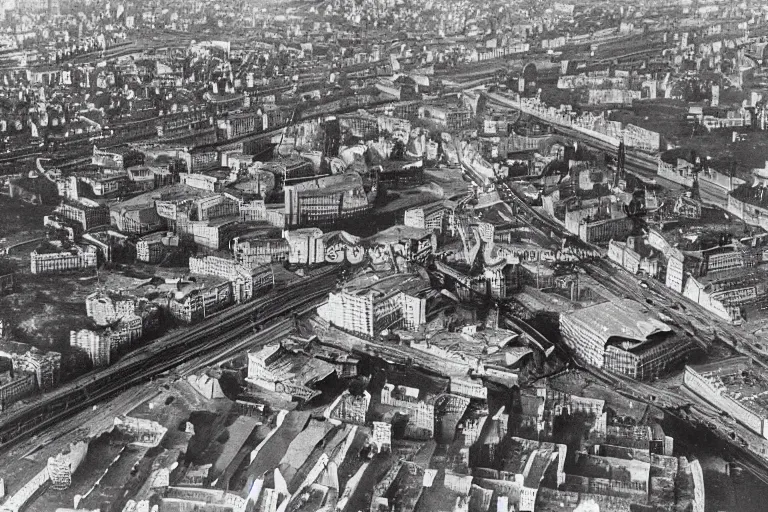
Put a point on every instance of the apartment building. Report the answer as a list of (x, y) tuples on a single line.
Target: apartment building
[(52, 256), (252, 252), (14, 386), (45, 366), (195, 301), (96, 345), (105, 308), (369, 308), (84, 212), (246, 281)]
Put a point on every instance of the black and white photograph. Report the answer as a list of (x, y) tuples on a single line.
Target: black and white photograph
[(383, 256)]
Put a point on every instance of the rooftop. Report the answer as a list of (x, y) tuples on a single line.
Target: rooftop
[(624, 319)]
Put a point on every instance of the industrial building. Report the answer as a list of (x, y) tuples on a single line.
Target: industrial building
[(277, 369)]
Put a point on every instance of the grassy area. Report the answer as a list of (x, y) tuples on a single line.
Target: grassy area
[(46, 308), (21, 220)]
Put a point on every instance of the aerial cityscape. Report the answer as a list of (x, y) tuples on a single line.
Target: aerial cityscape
[(383, 255)]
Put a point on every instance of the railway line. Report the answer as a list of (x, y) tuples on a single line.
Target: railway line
[(220, 330), (274, 331)]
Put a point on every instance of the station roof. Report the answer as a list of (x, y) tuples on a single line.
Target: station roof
[(623, 319)]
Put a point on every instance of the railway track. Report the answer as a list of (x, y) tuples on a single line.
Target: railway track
[(163, 355), (274, 331)]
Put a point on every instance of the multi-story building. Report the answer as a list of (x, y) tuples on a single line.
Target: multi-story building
[(431, 216), (617, 336), (195, 301), (723, 257), (182, 123), (212, 234), (307, 246), (628, 255), (420, 406), (54, 257), (136, 219), (352, 409), (675, 277), (360, 124), (85, 212), (246, 281), (105, 308), (129, 329), (605, 230), (152, 248), (7, 282), (325, 201), (366, 310), (728, 293), (252, 252), (106, 185), (216, 206), (96, 345), (46, 366), (14, 386), (290, 171), (202, 181), (241, 123)]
